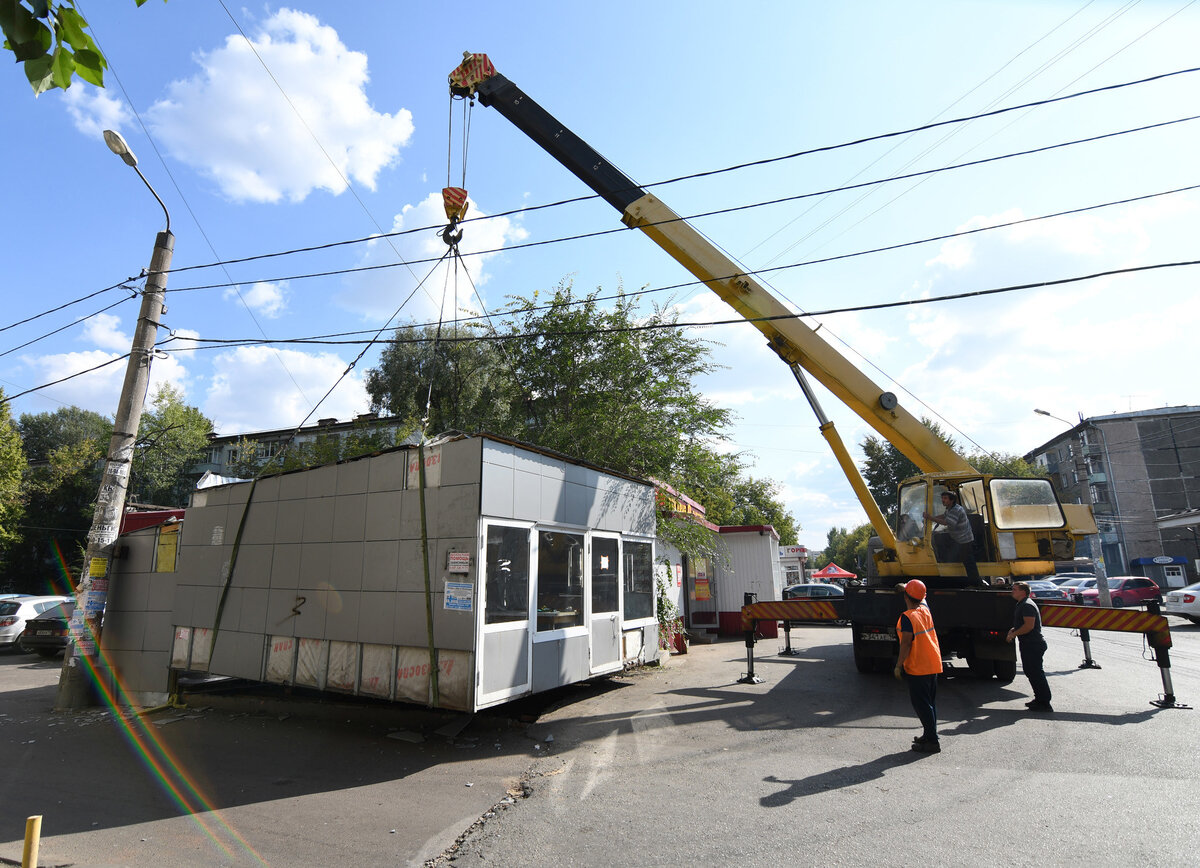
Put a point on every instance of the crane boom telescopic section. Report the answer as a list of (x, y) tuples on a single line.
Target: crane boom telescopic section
[(790, 338)]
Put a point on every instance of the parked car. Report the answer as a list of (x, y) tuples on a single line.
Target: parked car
[(1048, 592), (1185, 602), (15, 612), (1124, 591), (1060, 578), (815, 591), (818, 591), (47, 634), (1078, 584)]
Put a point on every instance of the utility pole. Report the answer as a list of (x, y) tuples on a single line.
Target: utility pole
[(79, 663)]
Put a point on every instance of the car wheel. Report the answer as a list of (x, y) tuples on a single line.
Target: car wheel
[(1117, 602), (18, 645)]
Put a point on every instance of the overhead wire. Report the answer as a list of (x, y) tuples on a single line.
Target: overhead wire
[(71, 324), (191, 213), (911, 302), (778, 268), (699, 215), (692, 176)]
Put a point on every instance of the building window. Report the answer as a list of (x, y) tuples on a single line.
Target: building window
[(166, 550), (507, 574), (639, 581), (559, 580), (606, 561)]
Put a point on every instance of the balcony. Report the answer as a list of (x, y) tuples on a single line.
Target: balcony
[(1098, 477)]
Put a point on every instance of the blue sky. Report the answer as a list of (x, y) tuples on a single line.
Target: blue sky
[(251, 151)]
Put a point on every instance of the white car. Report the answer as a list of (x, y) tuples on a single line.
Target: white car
[(16, 611), (1184, 602)]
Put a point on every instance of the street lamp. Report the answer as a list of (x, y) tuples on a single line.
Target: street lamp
[(1101, 574), (92, 591)]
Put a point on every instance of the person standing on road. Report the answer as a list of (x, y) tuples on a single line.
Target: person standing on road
[(958, 524), (1027, 630), (920, 662)]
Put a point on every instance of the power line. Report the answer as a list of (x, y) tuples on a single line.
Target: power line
[(693, 176), (979, 293), (716, 212), (64, 379), (69, 325)]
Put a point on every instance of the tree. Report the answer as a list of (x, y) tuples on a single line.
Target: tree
[(471, 389), (65, 450), (172, 439), (12, 471), (885, 466), (848, 549), (51, 39), (608, 385)]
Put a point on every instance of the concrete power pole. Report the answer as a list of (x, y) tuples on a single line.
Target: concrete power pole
[(80, 659)]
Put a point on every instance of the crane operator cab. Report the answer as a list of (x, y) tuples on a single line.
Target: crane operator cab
[(1018, 525)]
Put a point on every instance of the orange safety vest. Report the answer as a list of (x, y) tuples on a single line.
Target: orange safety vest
[(925, 655)]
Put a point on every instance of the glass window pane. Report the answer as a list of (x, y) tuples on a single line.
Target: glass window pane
[(639, 581), (559, 580), (1025, 503), (910, 523), (606, 558), (507, 574)]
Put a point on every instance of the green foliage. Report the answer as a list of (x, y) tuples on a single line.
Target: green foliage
[(51, 39), (1001, 464), (608, 385), (471, 390), (364, 439), (66, 450), (885, 466), (846, 548), (172, 439), (12, 471), (670, 622)]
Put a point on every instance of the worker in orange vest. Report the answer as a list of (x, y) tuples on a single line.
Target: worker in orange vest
[(920, 662)]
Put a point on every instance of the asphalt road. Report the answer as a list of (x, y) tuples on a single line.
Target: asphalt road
[(678, 765)]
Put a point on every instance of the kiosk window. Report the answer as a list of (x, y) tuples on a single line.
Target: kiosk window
[(559, 580), (507, 572), (639, 581), (606, 555)]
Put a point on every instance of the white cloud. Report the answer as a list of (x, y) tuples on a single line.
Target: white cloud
[(99, 390), (268, 299), (232, 123), (377, 294), (251, 390), (103, 330), (94, 110)]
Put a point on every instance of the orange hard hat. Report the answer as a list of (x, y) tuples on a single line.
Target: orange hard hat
[(915, 588)]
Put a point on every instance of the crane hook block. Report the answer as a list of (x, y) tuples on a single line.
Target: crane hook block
[(473, 71), (454, 200)]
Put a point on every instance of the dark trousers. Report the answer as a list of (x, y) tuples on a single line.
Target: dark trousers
[(964, 553), (922, 690), (1032, 653)]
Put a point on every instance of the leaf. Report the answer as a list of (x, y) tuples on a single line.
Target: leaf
[(89, 66), (62, 67), (39, 74), (72, 25)]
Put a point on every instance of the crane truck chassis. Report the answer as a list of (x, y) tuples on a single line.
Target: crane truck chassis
[(1021, 528)]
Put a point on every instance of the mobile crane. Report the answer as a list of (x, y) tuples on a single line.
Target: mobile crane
[(1021, 528)]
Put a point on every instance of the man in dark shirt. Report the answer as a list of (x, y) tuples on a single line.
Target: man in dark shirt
[(1027, 630)]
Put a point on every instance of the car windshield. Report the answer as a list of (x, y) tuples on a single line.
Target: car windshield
[(1195, 587), (9, 608)]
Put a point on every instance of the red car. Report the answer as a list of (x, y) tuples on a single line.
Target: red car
[(1125, 591)]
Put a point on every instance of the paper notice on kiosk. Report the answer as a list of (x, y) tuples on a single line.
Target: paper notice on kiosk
[(460, 596)]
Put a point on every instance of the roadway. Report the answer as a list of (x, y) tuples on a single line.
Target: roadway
[(657, 767)]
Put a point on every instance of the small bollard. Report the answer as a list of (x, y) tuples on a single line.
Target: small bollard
[(33, 838)]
